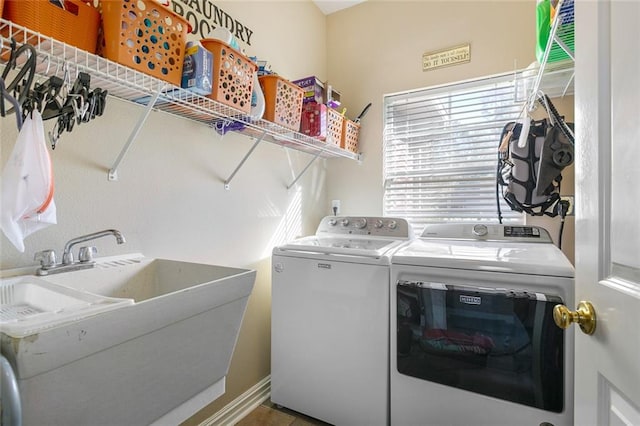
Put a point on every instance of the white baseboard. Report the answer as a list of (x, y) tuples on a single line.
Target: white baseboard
[(238, 409), (192, 406)]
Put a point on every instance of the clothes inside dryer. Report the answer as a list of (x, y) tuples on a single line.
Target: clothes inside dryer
[(497, 342)]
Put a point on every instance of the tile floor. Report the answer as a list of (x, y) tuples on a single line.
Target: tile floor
[(268, 414)]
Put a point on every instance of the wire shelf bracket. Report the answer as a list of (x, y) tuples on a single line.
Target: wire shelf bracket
[(315, 157), (113, 171), (227, 182)]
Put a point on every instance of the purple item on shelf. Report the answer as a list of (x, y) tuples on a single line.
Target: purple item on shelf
[(224, 126)]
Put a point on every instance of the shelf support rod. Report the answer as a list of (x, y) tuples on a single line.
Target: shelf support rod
[(113, 171), (247, 155), (305, 169), (552, 37)]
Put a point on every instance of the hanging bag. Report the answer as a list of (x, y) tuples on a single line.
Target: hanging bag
[(27, 184)]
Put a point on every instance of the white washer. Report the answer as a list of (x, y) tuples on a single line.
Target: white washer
[(473, 341), (330, 320)]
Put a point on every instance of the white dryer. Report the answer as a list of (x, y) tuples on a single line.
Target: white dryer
[(330, 320), (473, 341)]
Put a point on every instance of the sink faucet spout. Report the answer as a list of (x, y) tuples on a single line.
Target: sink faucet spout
[(67, 255)]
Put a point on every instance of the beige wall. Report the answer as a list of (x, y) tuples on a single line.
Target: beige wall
[(170, 200), (376, 47)]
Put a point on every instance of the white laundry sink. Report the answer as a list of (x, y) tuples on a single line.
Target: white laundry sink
[(143, 279), (127, 342)]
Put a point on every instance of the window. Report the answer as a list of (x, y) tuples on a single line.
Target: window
[(441, 151)]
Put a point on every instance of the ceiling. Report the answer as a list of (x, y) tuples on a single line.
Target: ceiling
[(329, 6)]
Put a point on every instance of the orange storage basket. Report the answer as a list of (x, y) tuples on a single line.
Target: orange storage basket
[(350, 132), (283, 101), (232, 75), (334, 127), (77, 24), (1, 6), (145, 36)]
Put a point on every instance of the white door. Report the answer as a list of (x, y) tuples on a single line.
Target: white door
[(607, 363)]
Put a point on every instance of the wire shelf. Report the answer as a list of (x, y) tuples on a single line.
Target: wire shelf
[(558, 80), (560, 45), (122, 82)]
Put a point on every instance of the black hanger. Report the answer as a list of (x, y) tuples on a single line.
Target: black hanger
[(80, 106), (20, 85), (97, 100), (16, 105), (45, 97)]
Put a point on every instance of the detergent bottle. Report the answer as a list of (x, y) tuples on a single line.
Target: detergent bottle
[(543, 25)]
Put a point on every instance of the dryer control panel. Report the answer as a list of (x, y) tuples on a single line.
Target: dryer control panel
[(391, 227), (487, 232)]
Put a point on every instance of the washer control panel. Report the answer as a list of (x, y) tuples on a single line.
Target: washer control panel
[(487, 232), (364, 225)]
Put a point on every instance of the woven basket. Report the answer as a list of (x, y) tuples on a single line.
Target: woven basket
[(145, 36), (350, 131), (334, 127), (232, 75), (77, 24), (283, 101)]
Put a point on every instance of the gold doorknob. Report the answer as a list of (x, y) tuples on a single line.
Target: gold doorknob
[(585, 316)]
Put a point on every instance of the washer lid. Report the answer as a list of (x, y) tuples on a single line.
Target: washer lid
[(495, 256), (366, 247)]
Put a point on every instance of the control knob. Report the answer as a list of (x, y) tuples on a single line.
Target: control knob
[(480, 230), (379, 224), (392, 224), (333, 222), (361, 223), (345, 222)]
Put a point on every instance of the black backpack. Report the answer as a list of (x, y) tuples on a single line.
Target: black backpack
[(529, 176)]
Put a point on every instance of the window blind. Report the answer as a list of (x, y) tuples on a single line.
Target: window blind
[(441, 151)]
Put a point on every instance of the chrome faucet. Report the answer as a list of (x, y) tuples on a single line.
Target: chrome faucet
[(67, 254), (47, 258)]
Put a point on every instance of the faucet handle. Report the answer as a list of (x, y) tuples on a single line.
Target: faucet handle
[(86, 254), (47, 258)]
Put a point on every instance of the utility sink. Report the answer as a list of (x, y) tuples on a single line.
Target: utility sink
[(130, 341), (142, 279)]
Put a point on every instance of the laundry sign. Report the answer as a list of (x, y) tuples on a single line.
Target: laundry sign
[(204, 17), (450, 56)]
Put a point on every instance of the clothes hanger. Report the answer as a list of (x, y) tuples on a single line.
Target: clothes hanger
[(57, 97), (4, 95), (48, 97), (20, 85)]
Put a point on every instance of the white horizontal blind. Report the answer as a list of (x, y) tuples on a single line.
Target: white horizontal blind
[(441, 152)]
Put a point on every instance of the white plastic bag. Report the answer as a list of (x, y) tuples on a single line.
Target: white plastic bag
[(27, 184)]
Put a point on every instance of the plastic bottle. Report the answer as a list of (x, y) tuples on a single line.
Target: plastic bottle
[(223, 34), (257, 99), (543, 24)]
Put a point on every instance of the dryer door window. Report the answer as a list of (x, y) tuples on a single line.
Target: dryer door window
[(499, 343)]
